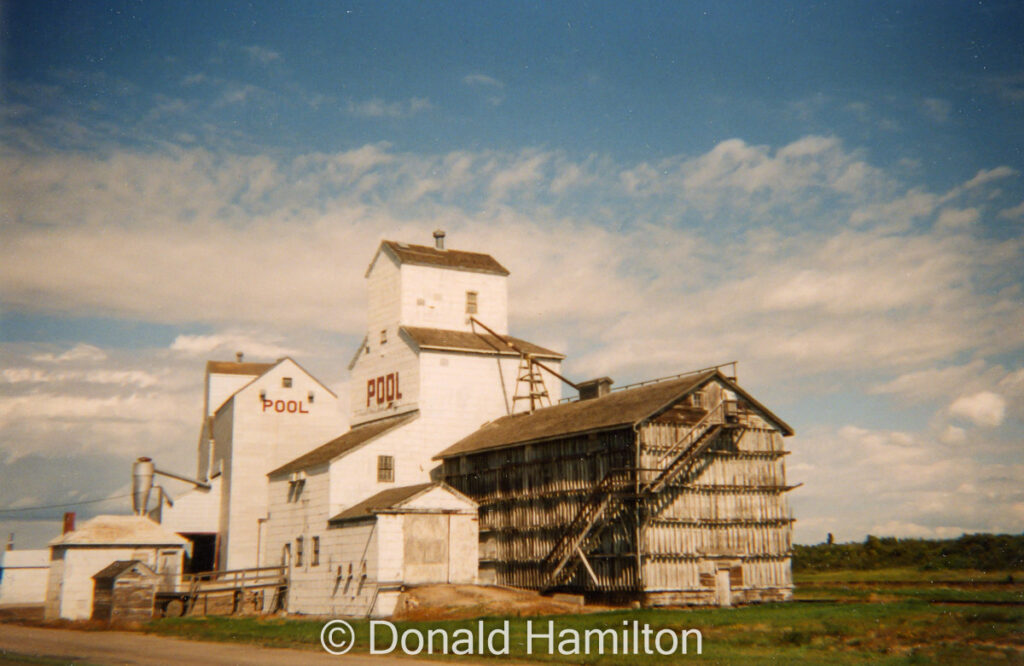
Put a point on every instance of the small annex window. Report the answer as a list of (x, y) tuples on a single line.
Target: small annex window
[(298, 551), (471, 302), (385, 469), (316, 552), (286, 382)]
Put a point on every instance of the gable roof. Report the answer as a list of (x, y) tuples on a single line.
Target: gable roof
[(338, 447), (268, 368), (422, 255), (467, 341), (391, 500), (118, 567), (618, 409), (119, 530)]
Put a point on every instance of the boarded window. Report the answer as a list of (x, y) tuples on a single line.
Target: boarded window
[(471, 302), (316, 551), (385, 468), (298, 552)]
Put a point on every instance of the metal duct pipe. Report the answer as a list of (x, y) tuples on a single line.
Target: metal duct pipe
[(142, 484)]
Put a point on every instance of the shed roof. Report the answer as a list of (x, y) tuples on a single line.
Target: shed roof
[(423, 255), (614, 410), (449, 340), (335, 448), (118, 567), (391, 499), (119, 531)]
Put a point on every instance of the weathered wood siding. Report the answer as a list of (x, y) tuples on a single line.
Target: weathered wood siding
[(726, 512), (528, 494)]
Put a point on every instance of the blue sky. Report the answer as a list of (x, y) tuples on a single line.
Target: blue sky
[(831, 193)]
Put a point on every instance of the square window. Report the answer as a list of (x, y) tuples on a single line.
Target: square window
[(385, 469), (286, 382), (471, 302)]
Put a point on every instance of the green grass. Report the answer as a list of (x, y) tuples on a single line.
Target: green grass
[(906, 575), (903, 632)]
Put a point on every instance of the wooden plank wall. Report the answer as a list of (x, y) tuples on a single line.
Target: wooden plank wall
[(527, 495), (730, 512)]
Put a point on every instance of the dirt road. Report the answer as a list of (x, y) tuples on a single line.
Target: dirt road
[(119, 647)]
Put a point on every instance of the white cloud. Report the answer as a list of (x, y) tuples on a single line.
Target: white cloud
[(937, 110), (956, 219), (378, 108), (194, 79), (1013, 213), (482, 80), (986, 176), (230, 343), (495, 87), (80, 352), (984, 408), (262, 55), (900, 483), (237, 94), (635, 270), (953, 436)]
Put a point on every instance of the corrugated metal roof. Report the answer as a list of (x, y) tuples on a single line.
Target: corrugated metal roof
[(445, 339), (382, 501), (617, 409), (119, 531), (350, 440), (429, 256)]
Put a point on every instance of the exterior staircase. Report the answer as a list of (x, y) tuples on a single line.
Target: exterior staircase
[(605, 504)]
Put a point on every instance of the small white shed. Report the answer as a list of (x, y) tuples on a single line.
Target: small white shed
[(23, 576), (77, 556), (411, 535)]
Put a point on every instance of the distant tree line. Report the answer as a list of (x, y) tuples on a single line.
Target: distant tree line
[(984, 552)]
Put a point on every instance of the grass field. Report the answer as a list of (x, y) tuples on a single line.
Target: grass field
[(888, 617)]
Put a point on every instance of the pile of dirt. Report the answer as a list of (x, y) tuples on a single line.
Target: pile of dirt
[(459, 602)]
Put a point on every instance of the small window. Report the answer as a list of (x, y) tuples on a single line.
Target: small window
[(298, 552), (385, 468), (286, 382), (471, 302), (295, 489), (316, 551), (384, 336), (286, 554)]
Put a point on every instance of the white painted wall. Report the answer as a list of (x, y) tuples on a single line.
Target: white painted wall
[(435, 297), (396, 358), (362, 563), (254, 438), (24, 576), (70, 584), (194, 511)]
